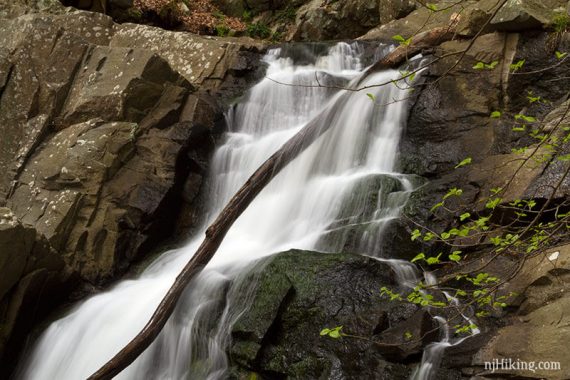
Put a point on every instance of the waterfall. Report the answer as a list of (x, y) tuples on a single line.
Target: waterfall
[(345, 179)]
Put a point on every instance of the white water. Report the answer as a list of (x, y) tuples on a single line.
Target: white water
[(433, 352), (302, 204)]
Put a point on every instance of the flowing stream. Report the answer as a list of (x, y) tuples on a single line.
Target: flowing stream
[(312, 204)]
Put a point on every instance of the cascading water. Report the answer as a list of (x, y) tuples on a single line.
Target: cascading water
[(310, 204)]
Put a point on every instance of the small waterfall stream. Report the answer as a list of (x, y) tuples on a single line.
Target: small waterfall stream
[(310, 205)]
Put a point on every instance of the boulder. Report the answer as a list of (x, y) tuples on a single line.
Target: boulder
[(203, 61), (103, 125), (519, 15), (327, 20), (299, 293)]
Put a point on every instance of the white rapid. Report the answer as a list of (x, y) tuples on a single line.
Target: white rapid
[(316, 196)]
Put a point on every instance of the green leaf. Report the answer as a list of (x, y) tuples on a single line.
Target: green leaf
[(560, 55), (408, 335), (518, 65), (479, 66), (436, 206), (372, 97), (496, 190), (455, 256), (464, 216), (433, 260), (334, 333), (528, 119), (495, 114), (403, 41), (533, 99), (482, 65), (416, 234), (465, 162), (398, 38), (565, 157), (420, 256), (493, 203), (454, 192)]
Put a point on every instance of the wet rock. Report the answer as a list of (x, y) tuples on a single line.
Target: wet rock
[(408, 337), (298, 293)]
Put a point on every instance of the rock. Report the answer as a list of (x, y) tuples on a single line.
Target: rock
[(449, 121), (419, 20), (516, 15), (107, 133), (411, 335), (17, 8), (540, 336), (119, 84), (542, 280), (33, 276), (393, 10), (201, 60), (359, 228), (297, 294), (519, 15), (115, 124), (318, 20), (13, 238)]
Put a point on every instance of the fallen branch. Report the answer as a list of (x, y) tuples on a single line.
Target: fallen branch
[(240, 201)]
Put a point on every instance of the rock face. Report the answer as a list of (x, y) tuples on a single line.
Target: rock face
[(33, 279), (106, 132), (317, 20), (515, 16), (298, 293), (450, 120)]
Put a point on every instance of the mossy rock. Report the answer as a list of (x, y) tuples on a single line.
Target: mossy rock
[(297, 294)]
